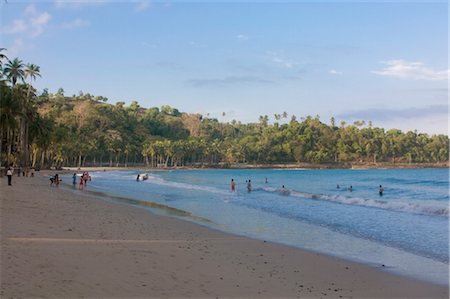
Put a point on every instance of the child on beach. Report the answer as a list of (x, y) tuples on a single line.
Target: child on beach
[(80, 187), (57, 180)]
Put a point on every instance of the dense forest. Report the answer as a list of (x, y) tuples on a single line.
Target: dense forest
[(54, 130)]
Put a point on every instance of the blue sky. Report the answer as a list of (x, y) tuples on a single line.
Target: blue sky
[(381, 61)]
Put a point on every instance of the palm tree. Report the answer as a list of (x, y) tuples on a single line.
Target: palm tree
[(32, 71), (14, 70), (9, 111), (2, 57)]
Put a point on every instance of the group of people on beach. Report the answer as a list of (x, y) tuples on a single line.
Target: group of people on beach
[(248, 183), (24, 171), (84, 178), (285, 191), (143, 177), (350, 189), (55, 180)]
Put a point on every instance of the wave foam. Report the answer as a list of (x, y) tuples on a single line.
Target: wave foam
[(430, 207)]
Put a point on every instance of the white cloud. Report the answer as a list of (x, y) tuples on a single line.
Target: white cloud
[(15, 49), (30, 10), (281, 61), (334, 72), (196, 44), (32, 25), (414, 70), (242, 37), (75, 24), (77, 4), (142, 5), (17, 26), (39, 22)]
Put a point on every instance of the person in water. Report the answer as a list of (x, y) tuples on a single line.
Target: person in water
[(381, 190), (350, 188), (249, 185), (233, 185), (74, 179), (284, 191), (138, 176), (81, 185), (266, 181), (337, 187), (55, 180)]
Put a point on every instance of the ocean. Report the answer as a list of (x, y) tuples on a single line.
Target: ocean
[(405, 231)]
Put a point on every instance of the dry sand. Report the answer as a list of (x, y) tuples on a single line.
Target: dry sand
[(63, 243)]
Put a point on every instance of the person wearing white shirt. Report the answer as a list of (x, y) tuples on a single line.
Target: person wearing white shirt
[(9, 174)]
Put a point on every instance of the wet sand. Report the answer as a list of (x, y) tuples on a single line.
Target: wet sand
[(62, 243)]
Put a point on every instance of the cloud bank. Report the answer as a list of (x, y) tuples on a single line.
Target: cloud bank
[(414, 70)]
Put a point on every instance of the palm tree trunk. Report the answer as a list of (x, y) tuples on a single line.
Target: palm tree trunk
[(42, 159), (79, 160)]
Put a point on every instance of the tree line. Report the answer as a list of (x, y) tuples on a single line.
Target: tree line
[(54, 130)]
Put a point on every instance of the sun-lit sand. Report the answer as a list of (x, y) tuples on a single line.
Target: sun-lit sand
[(62, 243)]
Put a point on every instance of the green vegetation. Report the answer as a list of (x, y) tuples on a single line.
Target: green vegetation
[(83, 130)]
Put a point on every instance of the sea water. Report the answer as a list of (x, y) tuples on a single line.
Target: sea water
[(406, 230)]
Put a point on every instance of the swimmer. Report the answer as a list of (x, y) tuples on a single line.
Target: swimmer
[(249, 185), (381, 190), (284, 191)]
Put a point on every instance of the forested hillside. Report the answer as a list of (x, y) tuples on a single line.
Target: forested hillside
[(46, 129)]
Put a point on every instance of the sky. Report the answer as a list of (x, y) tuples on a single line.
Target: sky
[(379, 61)]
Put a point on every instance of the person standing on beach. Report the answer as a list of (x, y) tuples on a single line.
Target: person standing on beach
[(74, 179), (9, 174), (80, 187), (249, 186), (233, 185)]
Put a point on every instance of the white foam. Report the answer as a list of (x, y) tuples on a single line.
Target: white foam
[(429, 207)]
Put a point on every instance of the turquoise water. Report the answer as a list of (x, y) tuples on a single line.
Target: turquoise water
[(406, 229)]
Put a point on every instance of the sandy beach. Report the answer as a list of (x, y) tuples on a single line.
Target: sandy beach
[(62, 243)]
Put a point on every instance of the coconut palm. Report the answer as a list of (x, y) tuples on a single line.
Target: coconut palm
[(14, 70), (32, 71), (2, 57)]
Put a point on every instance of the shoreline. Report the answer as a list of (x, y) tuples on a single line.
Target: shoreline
[(358, 166), (55, 229)]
